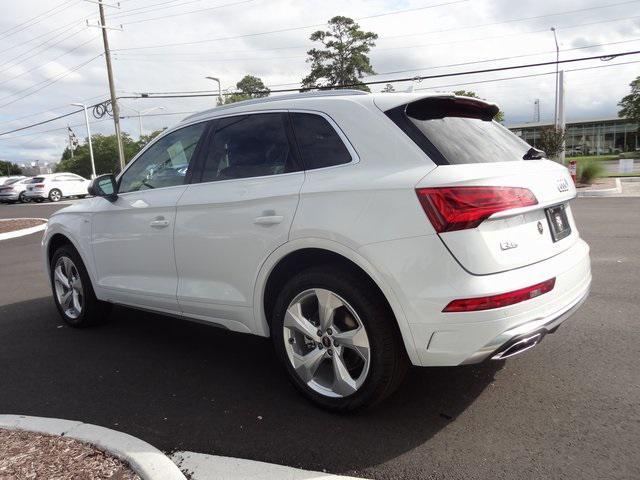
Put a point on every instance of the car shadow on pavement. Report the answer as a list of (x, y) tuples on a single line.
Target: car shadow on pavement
[(186, 386)]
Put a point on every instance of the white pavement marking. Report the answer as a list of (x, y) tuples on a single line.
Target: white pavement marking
[(212, 467), (146, 460), (23, 231)]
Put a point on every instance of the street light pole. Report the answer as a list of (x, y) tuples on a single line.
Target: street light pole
[(555, 109), (215, 79), (86, 119)]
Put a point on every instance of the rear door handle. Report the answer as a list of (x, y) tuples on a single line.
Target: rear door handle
[(268, 220), (159, 222)]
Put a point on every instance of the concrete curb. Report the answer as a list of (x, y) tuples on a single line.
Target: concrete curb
[(605, 192), (146, 460), (213, 467), (24, 231)]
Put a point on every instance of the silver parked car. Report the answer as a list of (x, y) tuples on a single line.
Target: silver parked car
[(14, 190)]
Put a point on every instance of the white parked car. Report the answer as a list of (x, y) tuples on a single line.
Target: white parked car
[(11, 179), (56, 186), (14, 190), (361, 232)]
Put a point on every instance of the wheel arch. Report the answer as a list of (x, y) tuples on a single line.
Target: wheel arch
[(52, 241), (298, 255)]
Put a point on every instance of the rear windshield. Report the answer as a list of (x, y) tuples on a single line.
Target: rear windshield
[(458, 130), (37, 180), (470, 140)]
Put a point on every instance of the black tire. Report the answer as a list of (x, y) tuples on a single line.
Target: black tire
[(55, 195), (23, 199), (39, 200), (388, 358), (93, 310)]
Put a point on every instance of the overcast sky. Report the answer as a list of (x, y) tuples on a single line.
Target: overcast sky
[(55, 59)]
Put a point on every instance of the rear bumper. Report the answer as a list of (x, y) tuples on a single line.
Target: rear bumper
[(35, 194), (425, 278), (9, 197), (523, 337)]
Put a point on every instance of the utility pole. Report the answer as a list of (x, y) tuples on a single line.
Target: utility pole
[(555, 110), (70, 140), (561, 114), (112, 88)]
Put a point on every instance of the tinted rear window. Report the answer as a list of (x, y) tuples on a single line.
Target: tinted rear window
[(37, 180), (454, 131), (319, 143)]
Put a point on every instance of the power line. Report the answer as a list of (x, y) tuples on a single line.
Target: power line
[(150, 8), (37, 67), (37, 19), (290, 29), (24, 59), (189, 12), (48, 82), (375, 82), (66, 105), (406, 79)]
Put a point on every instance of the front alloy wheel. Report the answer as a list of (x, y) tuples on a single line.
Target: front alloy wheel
[(68, 287), (326, 343)]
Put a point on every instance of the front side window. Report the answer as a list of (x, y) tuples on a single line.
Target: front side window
[(246, 146), (165, 163), (319, 143)]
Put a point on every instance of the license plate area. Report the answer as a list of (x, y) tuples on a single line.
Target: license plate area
[(558, 222)]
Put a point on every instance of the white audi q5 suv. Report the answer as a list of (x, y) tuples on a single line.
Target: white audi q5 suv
[(361, 232)]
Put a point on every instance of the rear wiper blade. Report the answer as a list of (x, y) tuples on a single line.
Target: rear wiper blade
[(534, 154)]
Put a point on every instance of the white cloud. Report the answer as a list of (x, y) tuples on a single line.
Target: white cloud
[(427, 38)]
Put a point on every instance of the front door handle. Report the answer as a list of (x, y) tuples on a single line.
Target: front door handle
[(159, 222), (268, 220)]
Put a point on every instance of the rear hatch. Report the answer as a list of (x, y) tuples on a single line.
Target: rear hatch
[(493, 210), (31, 186)]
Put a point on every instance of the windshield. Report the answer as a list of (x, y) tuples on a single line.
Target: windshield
[(471, 140)]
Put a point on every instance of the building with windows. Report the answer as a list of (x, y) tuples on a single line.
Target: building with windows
[(588, 137)]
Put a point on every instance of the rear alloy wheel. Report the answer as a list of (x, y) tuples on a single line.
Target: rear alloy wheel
[(55, 195), (72, 290), (337, 339), (23, 199)]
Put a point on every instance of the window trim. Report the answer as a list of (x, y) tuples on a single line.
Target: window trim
[(199, 172), (193, 161)]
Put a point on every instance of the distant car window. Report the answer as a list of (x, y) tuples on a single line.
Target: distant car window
[(13, 180), (319, 143), (37, 180), (165, 163), (249, 146)]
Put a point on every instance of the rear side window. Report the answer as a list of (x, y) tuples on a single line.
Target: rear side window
[(246, 146), (319, 143), (458, 131)]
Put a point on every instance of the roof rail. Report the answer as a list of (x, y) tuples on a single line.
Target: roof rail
[(292, 96)]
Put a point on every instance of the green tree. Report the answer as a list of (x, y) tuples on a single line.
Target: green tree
[(105, 154), (551, 141), (469, 93), (249, 87), (8, 169), (631, 103), (343, 58)]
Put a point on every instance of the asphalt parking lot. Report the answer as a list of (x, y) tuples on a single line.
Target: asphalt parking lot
[(569, 408)]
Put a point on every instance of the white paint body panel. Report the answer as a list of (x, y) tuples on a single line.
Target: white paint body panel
[(213, 260)]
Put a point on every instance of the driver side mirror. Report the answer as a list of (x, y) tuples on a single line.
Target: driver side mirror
[(104, 186)]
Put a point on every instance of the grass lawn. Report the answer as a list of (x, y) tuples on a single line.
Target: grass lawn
[(593, 157)]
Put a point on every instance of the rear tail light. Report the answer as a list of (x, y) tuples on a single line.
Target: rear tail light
[(39, 185), (500, 300), (459, 208)]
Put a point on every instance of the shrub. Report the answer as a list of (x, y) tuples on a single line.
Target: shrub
[(634, 155), (589, 170)]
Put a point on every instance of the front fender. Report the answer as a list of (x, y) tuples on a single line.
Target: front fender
[(76, 228)]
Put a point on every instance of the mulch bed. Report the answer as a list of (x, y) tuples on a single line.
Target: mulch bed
[(30, 455), (13, 224)]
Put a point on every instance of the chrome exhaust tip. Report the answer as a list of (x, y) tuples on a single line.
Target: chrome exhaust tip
[(518, 347)]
